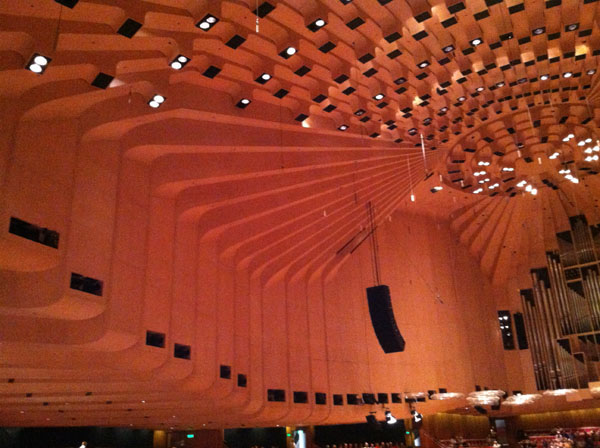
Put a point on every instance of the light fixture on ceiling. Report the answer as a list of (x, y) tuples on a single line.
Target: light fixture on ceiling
[(343, 127), (591, 71), (436, 189), (555, 155), (567, 74), (480, 89), (572, 27), (156, 101), (477, 41), (288, 52), (538, 31), (461, 98), (38, 63), (479, 190), (444, 109), (500, 84), (316, 25), (243, 103), (379, 96), (448, 48), (359, 112), (263, 79), (508, 169), (179, 62), (423, 64), (345, 2), (207, 22), (544, 77)]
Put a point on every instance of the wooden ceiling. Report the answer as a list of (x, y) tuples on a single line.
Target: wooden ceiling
[(386, 99)]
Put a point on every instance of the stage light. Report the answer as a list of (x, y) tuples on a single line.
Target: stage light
[(379, 96), (544, 77), (316, 25), (179, 62), (476, 41), (38, 63), (156, 101), (243, 103), (389, 418), (207, 22), (567, 74)]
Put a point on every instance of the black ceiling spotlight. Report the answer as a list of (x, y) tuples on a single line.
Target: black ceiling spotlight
[(38, 63), (68, 3), (243, 103), (179, 62), (207, 22), (316, 25), (264, 78), (288, 52)]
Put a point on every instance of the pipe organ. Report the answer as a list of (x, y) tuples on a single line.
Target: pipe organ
[(562, 310)]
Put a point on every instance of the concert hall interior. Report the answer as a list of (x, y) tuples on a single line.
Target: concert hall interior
[(224, 215)]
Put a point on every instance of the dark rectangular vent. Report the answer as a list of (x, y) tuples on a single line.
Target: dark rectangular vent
[(456, 7), (341, 78), (396, 398), (327, 47), (225, 372), (393, 37), (420, 35), (242, 380), (155, 339), (102, 80), (320, 398), (368, 398), (352, 399), (86, 284), (32, 232), (182, 351), (129, 28), (235, 41), (370, 72), (355, 23), (264, 9), (211, 72), (338, 399), (383, 398), (276, 395), (302, 70), (449, 22), (300, 397), (281, 93), (516, 8), (366, 58)]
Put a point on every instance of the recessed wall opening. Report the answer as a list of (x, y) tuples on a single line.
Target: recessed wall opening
[(155, 339), (34, 233), (225, 372), (300, 397), (320, 398), (86, 284), (275, 395), (338, 399), (182, 351), (242, 380)]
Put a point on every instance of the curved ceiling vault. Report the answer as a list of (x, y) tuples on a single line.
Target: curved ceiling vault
[(260, 159)]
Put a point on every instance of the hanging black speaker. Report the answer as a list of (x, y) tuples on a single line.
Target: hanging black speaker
[(382, 318)]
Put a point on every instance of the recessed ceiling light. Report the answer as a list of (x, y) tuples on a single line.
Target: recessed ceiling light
[(500, 84), (544, 77), (345, 2), (290, 50), (156, 101), (423, 64), (591, 71), (480, 89), (179, 62), (343, 127), (461, 98), (568, 74), (476, 41), (38, 63), (359, 112), (444, 109), (207, 22), (572, 27), (448, 48), (379, 96), (264, 78), (539, 31), (243, 103)]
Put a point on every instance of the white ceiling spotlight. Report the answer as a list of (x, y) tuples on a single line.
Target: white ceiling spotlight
[(38, 63), (156, 101), (179, 62)]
